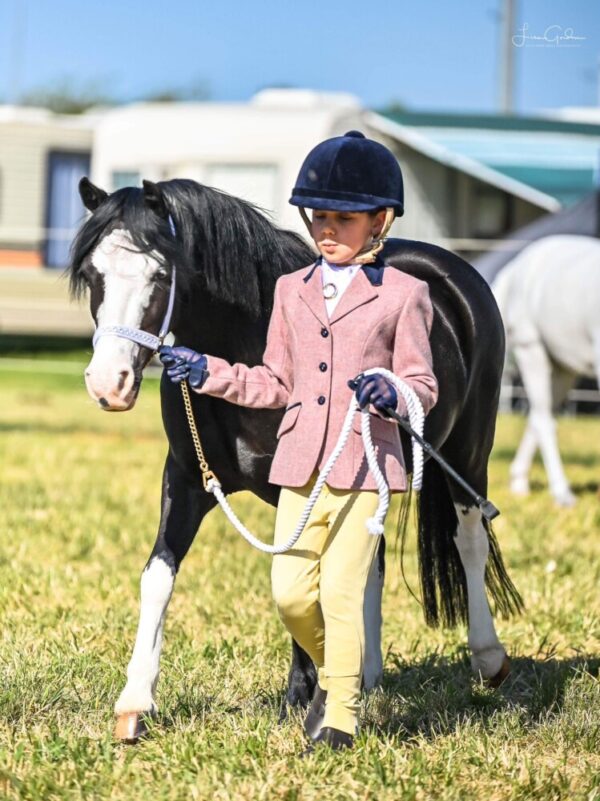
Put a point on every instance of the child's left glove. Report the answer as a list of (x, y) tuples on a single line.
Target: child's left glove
[(184, 363), (376, 390)]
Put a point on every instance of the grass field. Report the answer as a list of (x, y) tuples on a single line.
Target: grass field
[(78, 513)]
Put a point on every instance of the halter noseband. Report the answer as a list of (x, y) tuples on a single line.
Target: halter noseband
[(136, 335)]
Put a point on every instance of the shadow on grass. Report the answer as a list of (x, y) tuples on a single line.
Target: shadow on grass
[(193, 705), (437, 695), (61, 429), (46, 428), (575, 458), (586, 488), (430, 698)]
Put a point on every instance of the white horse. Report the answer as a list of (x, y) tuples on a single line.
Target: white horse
[(549, 298)]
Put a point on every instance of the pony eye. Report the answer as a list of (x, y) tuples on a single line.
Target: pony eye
[(161, 273)]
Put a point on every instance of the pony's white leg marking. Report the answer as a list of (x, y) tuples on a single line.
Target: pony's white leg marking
[(536, 372), (373, 663), (142, 672), (521, 464), (487, 653)]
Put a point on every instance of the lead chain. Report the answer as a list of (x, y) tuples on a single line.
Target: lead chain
[(207, 474)]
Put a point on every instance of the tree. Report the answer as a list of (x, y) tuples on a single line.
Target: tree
[(393, 107), (196, 90), (65, 97)]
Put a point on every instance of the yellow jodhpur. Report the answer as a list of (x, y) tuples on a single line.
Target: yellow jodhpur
[(319, 589)]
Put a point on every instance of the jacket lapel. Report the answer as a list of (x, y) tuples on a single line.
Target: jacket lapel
[(359, 292), (311, 292), (362, 289)]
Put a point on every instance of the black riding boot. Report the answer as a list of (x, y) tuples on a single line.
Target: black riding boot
[(334, 738)]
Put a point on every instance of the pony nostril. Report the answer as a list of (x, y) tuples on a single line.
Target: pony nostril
[(103, 402), (123, 376)]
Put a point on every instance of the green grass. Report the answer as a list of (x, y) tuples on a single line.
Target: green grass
[(79, 500)]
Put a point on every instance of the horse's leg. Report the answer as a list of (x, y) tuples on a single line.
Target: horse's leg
[(302, 678), (373, 661), (596, 346), (488, 656), (182, 509), (466, 558), (561, 382), (536, 372), (521, 464)]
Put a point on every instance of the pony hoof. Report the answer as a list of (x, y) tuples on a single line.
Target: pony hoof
[(495, 681), (519, 487), (565, 499), (131, 727)]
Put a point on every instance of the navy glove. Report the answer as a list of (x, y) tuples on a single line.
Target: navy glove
[(376, 390), (184, 363)]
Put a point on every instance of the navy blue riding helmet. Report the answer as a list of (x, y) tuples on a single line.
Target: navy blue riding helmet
[(350, 173)]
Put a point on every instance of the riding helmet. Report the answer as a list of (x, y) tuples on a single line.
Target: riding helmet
[(350, 173)]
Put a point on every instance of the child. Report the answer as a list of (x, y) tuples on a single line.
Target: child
[(342, 315)]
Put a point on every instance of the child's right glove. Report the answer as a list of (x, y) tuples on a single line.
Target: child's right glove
[(184, 363)]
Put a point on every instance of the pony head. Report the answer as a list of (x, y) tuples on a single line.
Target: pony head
[(123, 255)]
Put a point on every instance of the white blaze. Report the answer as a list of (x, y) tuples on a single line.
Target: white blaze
[(128, 284)]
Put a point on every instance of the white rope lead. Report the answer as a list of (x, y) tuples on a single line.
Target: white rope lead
[(375, 524)]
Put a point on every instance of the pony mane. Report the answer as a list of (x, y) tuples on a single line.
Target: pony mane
[(222, 243)]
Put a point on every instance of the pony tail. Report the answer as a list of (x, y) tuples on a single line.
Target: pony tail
[(406, 504), (505, 596), (443, 582)]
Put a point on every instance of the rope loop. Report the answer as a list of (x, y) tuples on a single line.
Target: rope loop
[(375, 524)]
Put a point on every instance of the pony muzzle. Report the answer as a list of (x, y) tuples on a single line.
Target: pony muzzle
[(112, 383)]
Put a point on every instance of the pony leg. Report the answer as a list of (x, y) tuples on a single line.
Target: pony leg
[(521, 464), (373, 659), (561, 382), (137, 698), (488, 656), (596, 344), (536, 371), (183, 508), (302, 678)]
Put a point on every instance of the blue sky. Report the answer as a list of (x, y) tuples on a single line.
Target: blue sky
[(429, 55)]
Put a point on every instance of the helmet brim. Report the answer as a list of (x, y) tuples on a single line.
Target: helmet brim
[(337, 204)]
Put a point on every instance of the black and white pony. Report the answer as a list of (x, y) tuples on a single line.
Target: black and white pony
[(228, 257)]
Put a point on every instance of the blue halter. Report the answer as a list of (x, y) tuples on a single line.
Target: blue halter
[(136, 335)]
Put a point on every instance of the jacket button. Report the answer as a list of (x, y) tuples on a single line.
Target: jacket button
[(324, 332), (322, 367), (321, 400)]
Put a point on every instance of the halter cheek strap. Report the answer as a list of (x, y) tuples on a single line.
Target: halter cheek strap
[(144, 338)]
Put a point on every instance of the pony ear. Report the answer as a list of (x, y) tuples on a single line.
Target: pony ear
[(92, 196), (154, 200)]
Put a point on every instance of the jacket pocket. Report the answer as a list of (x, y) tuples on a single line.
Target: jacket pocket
[(380, 429), (289, 418)]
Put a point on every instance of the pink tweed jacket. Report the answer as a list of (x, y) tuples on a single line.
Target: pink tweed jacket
[(383, 319)]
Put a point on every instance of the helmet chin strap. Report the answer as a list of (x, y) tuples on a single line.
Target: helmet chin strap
[(369, 253)]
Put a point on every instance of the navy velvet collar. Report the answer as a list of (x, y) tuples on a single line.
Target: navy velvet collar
[(374, 271)]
